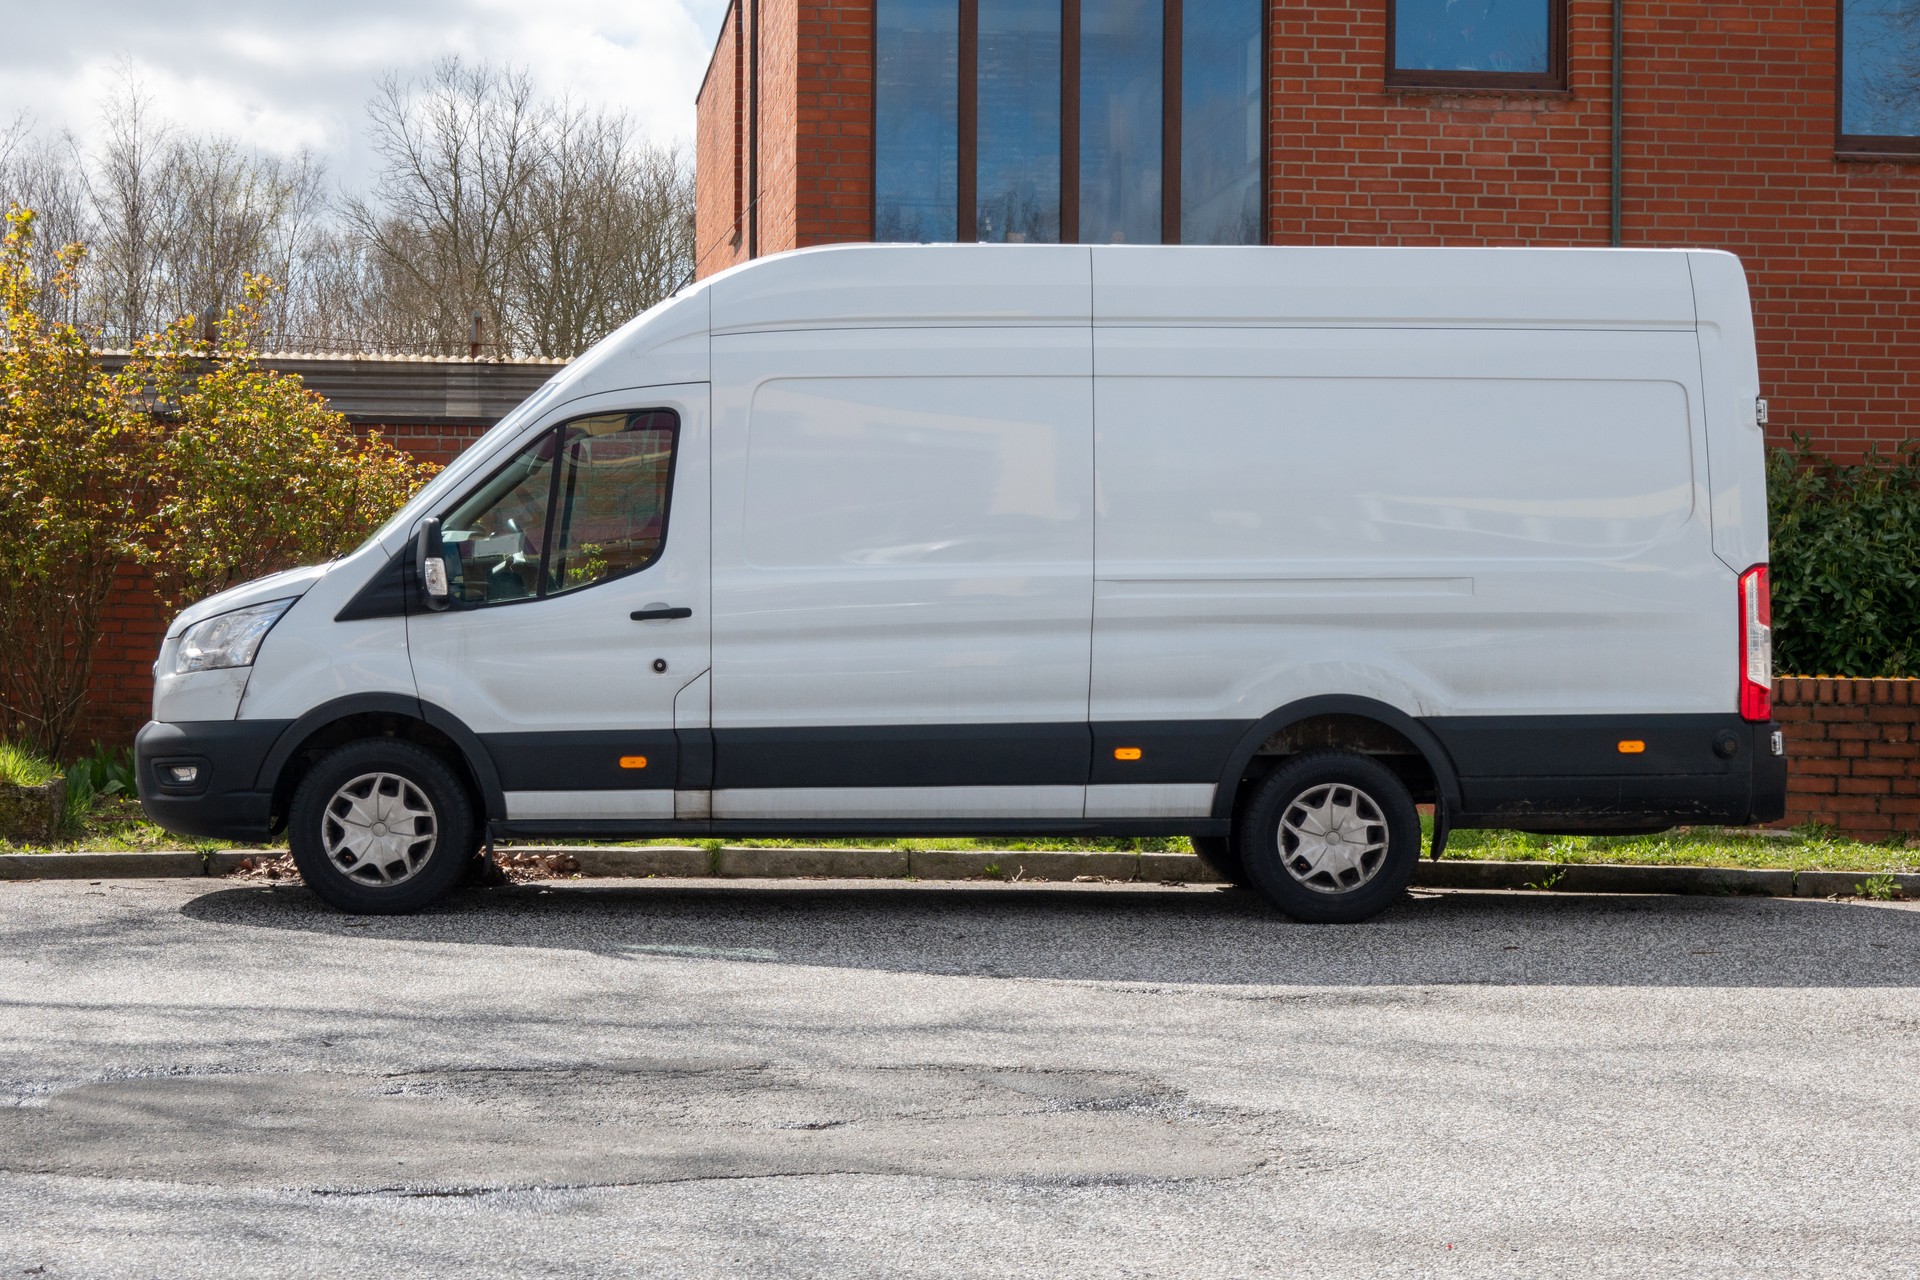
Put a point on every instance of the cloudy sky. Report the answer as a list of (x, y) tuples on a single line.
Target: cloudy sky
[(281, 76)]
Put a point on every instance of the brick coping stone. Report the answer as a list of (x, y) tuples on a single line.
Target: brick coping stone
[(1894, 691), (1010, 866)]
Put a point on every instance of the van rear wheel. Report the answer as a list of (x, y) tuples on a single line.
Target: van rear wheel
[(1331, 837), (381, 827)]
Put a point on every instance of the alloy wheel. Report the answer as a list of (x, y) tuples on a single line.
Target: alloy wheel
[(379, 829), (1333, 838)]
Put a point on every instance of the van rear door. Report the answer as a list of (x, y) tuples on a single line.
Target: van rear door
[(1736, 446)]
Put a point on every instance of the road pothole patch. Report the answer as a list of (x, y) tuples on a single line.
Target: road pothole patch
[(458, 1132)]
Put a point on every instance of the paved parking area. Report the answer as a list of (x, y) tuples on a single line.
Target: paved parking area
[(814, 1078)]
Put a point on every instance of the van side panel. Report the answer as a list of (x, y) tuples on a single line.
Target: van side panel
[(1504, 537), (903, 538), (1445, 524)]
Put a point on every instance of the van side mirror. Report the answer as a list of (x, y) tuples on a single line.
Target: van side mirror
[(432, 557)]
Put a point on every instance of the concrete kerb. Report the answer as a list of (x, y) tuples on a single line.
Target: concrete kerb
[(679, 862), (101, 866)]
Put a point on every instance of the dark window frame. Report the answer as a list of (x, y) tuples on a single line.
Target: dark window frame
[(1553, 80), (1860, 146), (966, 223), (555, 431)]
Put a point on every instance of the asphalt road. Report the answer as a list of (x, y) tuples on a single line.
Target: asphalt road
[(756, 1079)]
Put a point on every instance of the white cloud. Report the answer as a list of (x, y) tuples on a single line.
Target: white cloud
[(287, 76)]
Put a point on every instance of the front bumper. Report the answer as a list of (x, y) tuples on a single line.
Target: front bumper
[(227, 800)]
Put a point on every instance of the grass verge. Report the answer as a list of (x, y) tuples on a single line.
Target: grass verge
[(1799, 849), (116, 825), (21, 768)]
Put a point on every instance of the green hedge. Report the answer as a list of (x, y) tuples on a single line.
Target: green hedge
[(1845, 564)]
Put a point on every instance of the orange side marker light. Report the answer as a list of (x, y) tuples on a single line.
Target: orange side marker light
[(633, 762), (1632, 747), (1126, 753)]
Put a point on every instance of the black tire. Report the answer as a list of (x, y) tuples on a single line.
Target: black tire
[(428, 849), (1349, 879), (1223, 859)]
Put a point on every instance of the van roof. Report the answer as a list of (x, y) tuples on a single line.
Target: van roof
[(932, 285)]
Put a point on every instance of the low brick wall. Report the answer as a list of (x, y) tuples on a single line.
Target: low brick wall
[(1853, 754)]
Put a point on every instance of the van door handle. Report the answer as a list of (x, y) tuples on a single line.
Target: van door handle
[(660, 612)]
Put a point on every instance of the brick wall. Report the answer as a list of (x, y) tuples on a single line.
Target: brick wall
[(816, 116), (1853, 753), (778, 194), (719, 171), (1730, 127), (120, 695), (435, 442), (1352, 162), (834, 117), (1729, 144)]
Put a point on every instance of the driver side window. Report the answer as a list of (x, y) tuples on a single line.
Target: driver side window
[(585, 502)]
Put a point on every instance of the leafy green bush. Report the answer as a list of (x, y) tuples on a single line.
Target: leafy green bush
[(19, 767), (255, 472), (1845, 563), (193, 460), (77, 501), (104, 771)]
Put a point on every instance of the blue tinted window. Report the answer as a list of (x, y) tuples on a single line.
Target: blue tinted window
[(916, 142), (1018, 197), (1120, 123), (1220, 122), (1880, 68), (1471, 35)]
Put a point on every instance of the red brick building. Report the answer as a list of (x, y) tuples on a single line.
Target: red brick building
[(1786, 132)]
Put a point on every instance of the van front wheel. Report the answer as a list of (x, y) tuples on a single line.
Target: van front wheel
[(1330, 837), (381, 827)]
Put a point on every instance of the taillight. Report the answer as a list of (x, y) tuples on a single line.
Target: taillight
[(1756, 645)]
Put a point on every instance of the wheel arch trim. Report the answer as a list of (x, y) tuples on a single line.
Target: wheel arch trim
[(478, 762), (1446, 778)]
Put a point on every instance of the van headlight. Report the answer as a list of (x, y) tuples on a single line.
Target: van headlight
[(227, 639)]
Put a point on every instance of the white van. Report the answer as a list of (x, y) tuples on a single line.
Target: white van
[(1264, 546)]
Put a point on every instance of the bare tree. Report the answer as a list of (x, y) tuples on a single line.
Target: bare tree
[(45, 175), (602, 232), (332, 301), (554, 222), (17, 131), (136, 207), (459, 150), (234, 214), (182, 220)]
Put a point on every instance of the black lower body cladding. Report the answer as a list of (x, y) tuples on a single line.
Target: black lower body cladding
[(1613, 772), (226, 799), (1534, 773)]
